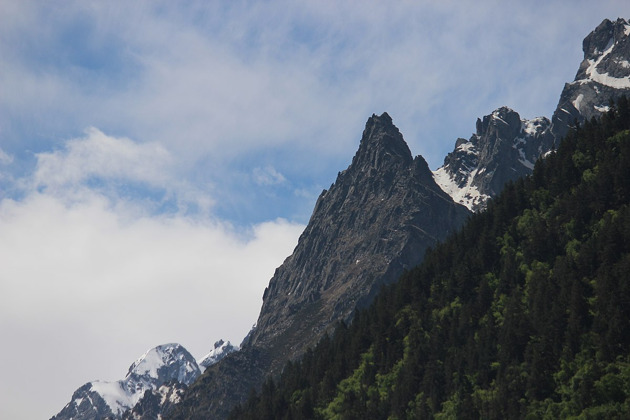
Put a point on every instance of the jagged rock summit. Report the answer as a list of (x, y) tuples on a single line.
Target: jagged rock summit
[(375, 221), (603, 76), (504, 148)]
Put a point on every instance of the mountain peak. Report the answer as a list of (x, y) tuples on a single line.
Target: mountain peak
[(602, 37), (605, 54), (160, 365), (603, 75), (503, 110), (382, 144), (504, 148), (374, 222), (384, 118), (347, 250), (165, 362), (502, 116)]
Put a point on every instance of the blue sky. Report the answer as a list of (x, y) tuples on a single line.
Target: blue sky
[(159, 159)]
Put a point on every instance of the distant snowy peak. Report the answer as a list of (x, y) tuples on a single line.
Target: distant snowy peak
[(503, 148), (220, 350), (165, 364)]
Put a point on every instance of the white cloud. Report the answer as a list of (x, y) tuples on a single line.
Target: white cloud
[(112, 166), (105, 157), (267, 176)]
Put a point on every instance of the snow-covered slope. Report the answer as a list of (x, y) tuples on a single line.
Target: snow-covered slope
[(162, 372)]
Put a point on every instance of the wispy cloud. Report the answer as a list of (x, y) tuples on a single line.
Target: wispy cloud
[(116, 168), (267, 176)]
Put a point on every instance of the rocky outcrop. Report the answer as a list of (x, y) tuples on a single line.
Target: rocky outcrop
[(375, 221), (504, 148), (86, 403)]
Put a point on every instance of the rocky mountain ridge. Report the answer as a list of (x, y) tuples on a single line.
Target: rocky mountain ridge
[(505, 147)]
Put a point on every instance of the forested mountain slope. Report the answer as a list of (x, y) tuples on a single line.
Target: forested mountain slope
[(524, 313)]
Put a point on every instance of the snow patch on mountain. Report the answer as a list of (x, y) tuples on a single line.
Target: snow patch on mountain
[(155, 367), (467, 195), (602, 109), (152, 363), (116, 396), (534, 126), (520, 144)]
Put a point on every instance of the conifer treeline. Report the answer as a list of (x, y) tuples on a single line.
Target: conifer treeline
[(524, 313)]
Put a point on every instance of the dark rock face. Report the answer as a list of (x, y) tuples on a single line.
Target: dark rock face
[(376, 220), (604, 75), (504, 148)]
